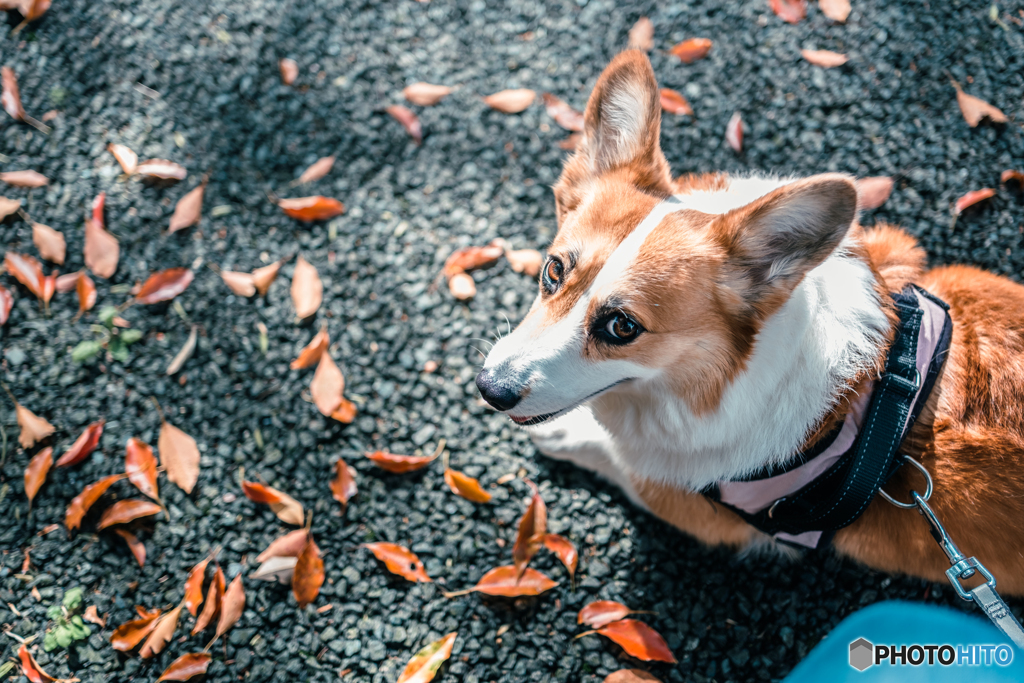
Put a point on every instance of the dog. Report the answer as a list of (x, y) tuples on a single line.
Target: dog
[(697, 334)]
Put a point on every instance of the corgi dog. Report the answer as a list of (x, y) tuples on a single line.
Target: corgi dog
[(690, 333)]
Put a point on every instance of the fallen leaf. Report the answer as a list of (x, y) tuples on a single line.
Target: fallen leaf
[(424, 664), (308, 575), (630, 676), (734, 132), (164, 285), (102, 250), (692, 49), (975, 109), (674, 103), (214, 601), (471, 258), (527, 261), (35, 473), (638, 640), (184, 353), (602, 612), (790, 11), (187, 666), (30, 668), (189, 209), (81, 503), (8, 207), (465, 486), (970, 199), (194, 586), (289, 545), (400, 561), (345, 412), (824, 58), (502, 582), (161, 634), (32, 9), (162, 170), (27, 270), (532, 527), (124, 511), (67, 283), (462, 286), (317, 170), (425, 94), (311, 352), (343, 486), (400, 464), (873, 191), (409, 121), (24, 179), (836, 10), (86, 290), (328, 385), (1006, 177), (33, 428), (83, 446), (279, 569), (49, 286), (231, 607), (511, 101), (263, 277), (289, 70), (286, 508), (179, 456), (307, 289), (93, 617), (10, 96), (128, 159), (239, 283), (134, 544), (641, 36), (131, 633), (140, 466), (6, 304), (564, 115), (565, 551)]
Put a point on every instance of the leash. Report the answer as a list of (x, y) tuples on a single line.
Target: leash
[(963, 568)]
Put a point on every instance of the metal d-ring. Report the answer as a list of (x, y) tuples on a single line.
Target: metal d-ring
[(927, 492)]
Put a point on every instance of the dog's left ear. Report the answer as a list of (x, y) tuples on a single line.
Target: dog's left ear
[(774, 241)]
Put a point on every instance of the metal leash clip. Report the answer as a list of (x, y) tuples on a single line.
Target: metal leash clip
[(963, 568)]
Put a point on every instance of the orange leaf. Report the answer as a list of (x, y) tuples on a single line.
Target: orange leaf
[(102, 250), (307, 289), (49, 286), (641, 36), (734, 132), (35, 473), (790, 11), (24, 179), (526, 261), (327, 386), (836, 10), (462, 286), (975, 109), (289, 70), (30, 667), (140, 465), (308, 575), (8, 206), (317, 170), (86, 290), (400, 464), (93, 616), (969, 200), (1006, 177), (289, 545), (11, 97), (343, 486), (630, 676), (26, 270), (638, 640), (131, 633), (502, 582), (161, 634), (564, 115), (465, 486), (399, 560), (162, 170), (124, 511), (128, 159), (601, 613), (33, 9), (188, 210), (824, 58), (345, 412), (532, 527), (873, 191), (261, 493), (6, 304), (424, 665), (49, 242), (231, 606), (33, 428), (214, 600), (265, 276), (164, 285), (311, 352), (409, 121), (564, 550), (83, 446), (240, 283), (187, 666), (471, 258), (425, 94), (511, 101), (81, 503), (134, 544), (286, 508), (194, 586), (179, 456), (689, 51), (674, 103)]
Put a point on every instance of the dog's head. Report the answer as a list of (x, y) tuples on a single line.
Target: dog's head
[(641, 285)]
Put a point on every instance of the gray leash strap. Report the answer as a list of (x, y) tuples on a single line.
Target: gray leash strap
[(984, 595)]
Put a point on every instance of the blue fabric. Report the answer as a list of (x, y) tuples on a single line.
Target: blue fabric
[(905, 623)]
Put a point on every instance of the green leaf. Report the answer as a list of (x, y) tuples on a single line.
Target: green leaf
[(72, 599), (79, 631), (107, 315), (53, 612), (131, 336), (63, 635), (86, 350), (49, 641), (118, 349)]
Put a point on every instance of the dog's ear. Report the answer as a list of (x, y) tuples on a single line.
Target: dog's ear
[(774, 241)]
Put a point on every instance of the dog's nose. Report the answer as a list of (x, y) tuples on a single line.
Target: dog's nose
[(499, 395)]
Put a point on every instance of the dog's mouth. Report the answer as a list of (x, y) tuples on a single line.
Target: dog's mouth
[(531, 420)]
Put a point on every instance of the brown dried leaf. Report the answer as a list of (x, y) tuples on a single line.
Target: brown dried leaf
[(641, 36), (975, 109), (630, 676), (265, 276), (11, 97), (240, 283), (307, 289), (328, 385), (179, 456), (692, 49), (564, 115), (164, 285), (161, 635), (67, 283), (8, 207), (124, 511), (33, 428), (289, 70), (465, 486), (309, 209), (162, 170), (102, 251), (194, 586), (30, 667), (279, 569), (134, 544), (873, 191), (140, 466), (6, 304), (343, 486), (81, 503), (836, 10), (93, 617), (532, 527), (734, 132), (128, 159), (35, 473), (638, 640), (85, 444), (24, 179), (424, 665), (790, 11), (502, 582), (462, 286), (471, 258), (131, 633), (972, 198), (400, 561), (526, 261), (400, 464), (564, 550), (311, 352), (231, 606), (673, 102), (286, 508), (308, 575), (1006, 177), (409, 121), (601, 613), (214, 600), (86, 290), (511, 101), (425, 94), (289, 545), (27, 270), (187, 666), (189, 209), (826, 59), (317, 170)]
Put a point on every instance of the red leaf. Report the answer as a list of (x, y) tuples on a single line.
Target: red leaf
[(400, 464), (187, 666), (162, 170), (311, 352), (124, 511), (601, 613), (790, 11), (1006, 177), (6, 304), (502, 582), (399, 560), (689, 51), (214, 597), (308, 575), (35, 473), (674, 103), (131, 633), (26, 270), (30, 667), (81, 503), (564, 115), (734, 132), (343, 486), (638, 640), (564, 550), (873, 191), (164, 285), (471, 258), (309, 209), (11, 97), (134, 544), (194, 586), (140, 465), (231, 606), (532, 527), (970, 199), (409, 121), (85, 445), (465, 486), (284, 506), (24, 179), (289, 70), (49, 286), (86, 290)]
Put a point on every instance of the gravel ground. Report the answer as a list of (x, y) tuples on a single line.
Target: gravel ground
[(478, 175)]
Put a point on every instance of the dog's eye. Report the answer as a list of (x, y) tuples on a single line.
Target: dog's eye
[(552, 275), (619, 328)]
